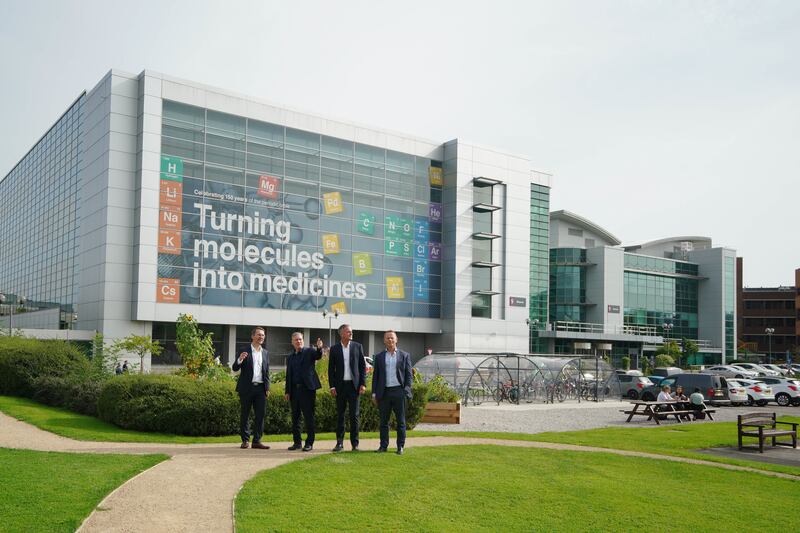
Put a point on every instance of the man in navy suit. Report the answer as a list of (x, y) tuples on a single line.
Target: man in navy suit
[(253, 386), (302, 383), (347, 377), (391, 387)]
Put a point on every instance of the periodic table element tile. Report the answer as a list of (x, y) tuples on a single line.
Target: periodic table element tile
[(394, 288), (435, 212), (435, 176), (366, 223), (362, 264), (330, 243), (341, 307), (171, 168), (332, 203), (435, 251)]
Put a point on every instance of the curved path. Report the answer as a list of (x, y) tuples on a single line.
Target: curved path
[(195, 489)]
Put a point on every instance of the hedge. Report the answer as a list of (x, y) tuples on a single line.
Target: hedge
[(22, 361), (185, 406)]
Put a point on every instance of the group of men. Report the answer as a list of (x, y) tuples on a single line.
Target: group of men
[(391, 387)]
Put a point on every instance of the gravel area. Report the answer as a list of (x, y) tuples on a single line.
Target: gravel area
[(569, 416)]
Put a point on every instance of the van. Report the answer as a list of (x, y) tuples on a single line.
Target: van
[(713, 388)]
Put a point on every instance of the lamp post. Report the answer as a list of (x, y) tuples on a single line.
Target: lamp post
[(73, 317), (326, 313), (769, 332), (532, 326)]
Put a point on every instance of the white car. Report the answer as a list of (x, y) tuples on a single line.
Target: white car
[(786, 390), (758, 393), (737, 394), (730, 371), (760, 370), (776, 368)]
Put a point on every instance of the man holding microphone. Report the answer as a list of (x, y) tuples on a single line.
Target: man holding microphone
[(253, 386)]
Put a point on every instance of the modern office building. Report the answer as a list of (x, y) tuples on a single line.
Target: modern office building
[(632, 298), (769, 319), (153, 196)]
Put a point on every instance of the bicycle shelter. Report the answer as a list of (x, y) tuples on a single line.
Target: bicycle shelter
[(517, 378)]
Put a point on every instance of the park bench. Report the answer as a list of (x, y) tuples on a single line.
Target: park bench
[(764, 426)]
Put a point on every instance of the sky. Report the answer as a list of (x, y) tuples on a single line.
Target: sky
[(655, 118)]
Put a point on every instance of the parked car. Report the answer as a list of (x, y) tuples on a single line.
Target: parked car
[(758, 393), (757, 368), (786, 390), (667, 371), (737, 393), (714, 388), (730, 371), (776, 368), (631, 386)]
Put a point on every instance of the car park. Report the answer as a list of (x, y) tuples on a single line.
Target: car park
[(757, 368), (730, 371), (758, 393), (776, 368), (632, 385), (737, 393), (786, 390)]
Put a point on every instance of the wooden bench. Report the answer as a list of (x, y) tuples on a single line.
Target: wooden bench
[(763, 426)]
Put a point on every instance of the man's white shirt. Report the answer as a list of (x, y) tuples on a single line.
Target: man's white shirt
[(257, 356)]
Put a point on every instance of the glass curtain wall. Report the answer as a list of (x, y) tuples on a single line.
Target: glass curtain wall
[(539, 264)]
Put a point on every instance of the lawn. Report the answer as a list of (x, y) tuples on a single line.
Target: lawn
[(474, 488), (48, 491), (679, 440)]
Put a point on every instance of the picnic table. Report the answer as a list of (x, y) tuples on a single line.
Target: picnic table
[(655, 410)]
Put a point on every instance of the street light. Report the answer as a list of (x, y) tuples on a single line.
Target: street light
[(21, 300), (769, 332), (326, 313), (71, 319)]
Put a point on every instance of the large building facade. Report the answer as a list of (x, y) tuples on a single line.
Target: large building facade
[(158, 196), (629, 299), (769, 319)]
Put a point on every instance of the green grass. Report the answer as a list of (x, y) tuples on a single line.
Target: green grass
[(491, 488), (677, 440), (48, 491)]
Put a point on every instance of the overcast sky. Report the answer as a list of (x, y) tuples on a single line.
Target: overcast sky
[(656, 118)]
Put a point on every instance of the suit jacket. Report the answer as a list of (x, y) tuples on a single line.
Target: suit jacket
[(358, 366), (308, 370), (246, 376), (404, 375)]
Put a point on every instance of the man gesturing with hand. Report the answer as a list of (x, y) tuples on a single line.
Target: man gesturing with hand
[(253, 386)]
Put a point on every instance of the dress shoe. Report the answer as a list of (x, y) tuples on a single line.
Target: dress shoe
[(338, 447), (355, 447), (399, 451), (260, 446), (308, 448), (294, 447), (245, 444), (381, 450)]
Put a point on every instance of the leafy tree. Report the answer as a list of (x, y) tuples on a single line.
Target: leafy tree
[(141, 345), (663, 360), (626, 363), (690, 348), (195, 347)]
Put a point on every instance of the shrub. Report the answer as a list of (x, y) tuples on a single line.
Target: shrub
[(626, 363), (664, 360), (439, 391), (170, 404), (23, 361), (76, 392)]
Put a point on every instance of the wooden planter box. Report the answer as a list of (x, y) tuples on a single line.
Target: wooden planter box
[(442, 413)]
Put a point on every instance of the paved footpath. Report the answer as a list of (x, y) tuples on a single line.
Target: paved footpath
[(195, 489)]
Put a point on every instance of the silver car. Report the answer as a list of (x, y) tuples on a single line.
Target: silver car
[(730, 371), (760, 370)]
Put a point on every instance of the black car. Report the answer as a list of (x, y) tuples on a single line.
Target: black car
[(713, 388)]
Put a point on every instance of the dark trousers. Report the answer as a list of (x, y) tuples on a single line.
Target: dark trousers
[(394, 400), (303, 401), (347, 398), (253, 397)]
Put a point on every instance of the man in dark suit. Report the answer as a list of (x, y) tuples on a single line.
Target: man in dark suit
[(347, 376), (302, 383), (391, 387), (253, 386)]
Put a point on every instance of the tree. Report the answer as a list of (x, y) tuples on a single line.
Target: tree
[(141, 345), (690, 348), (195, 347)]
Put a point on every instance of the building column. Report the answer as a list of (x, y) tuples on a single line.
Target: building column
[(230, 347)]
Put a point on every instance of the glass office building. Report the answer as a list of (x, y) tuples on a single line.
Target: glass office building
[(163, 196)]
